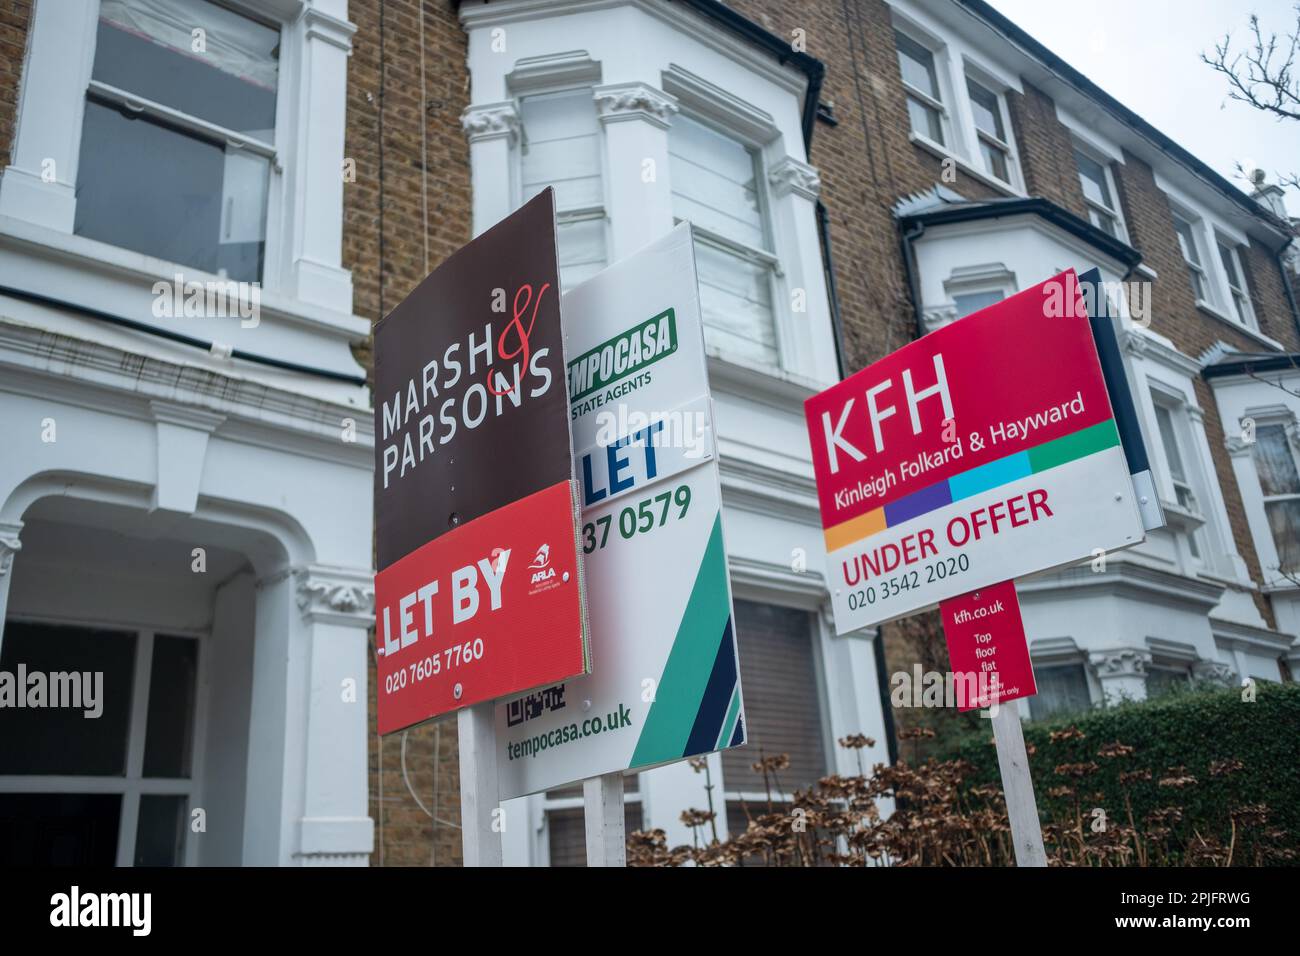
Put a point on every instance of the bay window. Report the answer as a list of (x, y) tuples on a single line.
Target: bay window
[(1279, 479), (178, 140), (717, 187), (560, 147), (1062, 689)]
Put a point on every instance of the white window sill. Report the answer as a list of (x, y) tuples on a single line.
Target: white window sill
[(1212, 309), (1179, 519), (970, 169), (747, 376)]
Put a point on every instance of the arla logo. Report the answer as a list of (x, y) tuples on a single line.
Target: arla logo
[(540, 566)]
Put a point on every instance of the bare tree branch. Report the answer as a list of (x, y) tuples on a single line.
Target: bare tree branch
[(1264, 75)]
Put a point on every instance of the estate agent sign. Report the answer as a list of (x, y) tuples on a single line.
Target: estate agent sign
[(666, 681), (479, 590), (981, 452)]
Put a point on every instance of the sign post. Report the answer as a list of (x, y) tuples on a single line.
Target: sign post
[(479, 821), (665, 683), (1018, 786), (984, 451), (479, 593), (986, 641), (606, 827)]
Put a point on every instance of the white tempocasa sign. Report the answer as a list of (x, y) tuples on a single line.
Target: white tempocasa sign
[(665, 681)]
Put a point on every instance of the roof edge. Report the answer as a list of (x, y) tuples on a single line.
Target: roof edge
[(975, 210), (982, 10)]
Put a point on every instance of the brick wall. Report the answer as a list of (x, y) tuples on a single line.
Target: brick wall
[(867, 163), (391, 79), (15, 15)]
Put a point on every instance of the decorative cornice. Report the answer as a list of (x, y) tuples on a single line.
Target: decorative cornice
[(634, 101), (1120, 662), (937, 316), (1214, 672), (333, 595), (1237, 446), (573, 67), (489, 121), (789, 175), (1134, 342), (9, 545), (322, 26)]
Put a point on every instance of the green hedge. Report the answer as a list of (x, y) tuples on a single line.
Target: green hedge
[(1192, 730)]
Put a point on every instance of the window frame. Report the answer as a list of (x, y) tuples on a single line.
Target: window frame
[(1188, 523), (276, 153), (131, 785), (767, 259), (566, 215), (1224, 244), (936, 50), (1288, 427), (1007, 146), (1193, 256), (1111, 184), (1076, 660)]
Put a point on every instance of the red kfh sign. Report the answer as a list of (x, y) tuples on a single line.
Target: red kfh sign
[(987, 650), (981, 452), (478, 593)]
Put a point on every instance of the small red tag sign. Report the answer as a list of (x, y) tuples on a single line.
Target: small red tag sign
[(987, 649), (487, 609)]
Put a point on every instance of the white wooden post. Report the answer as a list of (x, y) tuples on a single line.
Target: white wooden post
[(603, 806), (480, 786), (1018, 786)]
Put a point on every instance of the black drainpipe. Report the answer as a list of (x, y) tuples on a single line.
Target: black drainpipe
[(1286, 285), (828, 266), (909, 273)]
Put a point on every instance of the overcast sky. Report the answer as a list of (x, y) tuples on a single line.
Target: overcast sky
[(1146, 53)]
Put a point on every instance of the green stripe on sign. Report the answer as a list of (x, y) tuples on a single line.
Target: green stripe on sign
[(729, 723), (690, 662), (1068, 448)]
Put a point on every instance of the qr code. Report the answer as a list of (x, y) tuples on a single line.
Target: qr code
[(534, 705)]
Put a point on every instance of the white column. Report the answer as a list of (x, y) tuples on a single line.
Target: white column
[(9, 546), (635, 118), (334, 826), (306, 793), (808, 341), (39, 185), (492, 129), (315, 179), (1122, 672), (852, 695)]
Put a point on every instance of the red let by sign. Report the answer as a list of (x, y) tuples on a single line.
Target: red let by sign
[(451, 612), (478, 593), (986, 647)]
